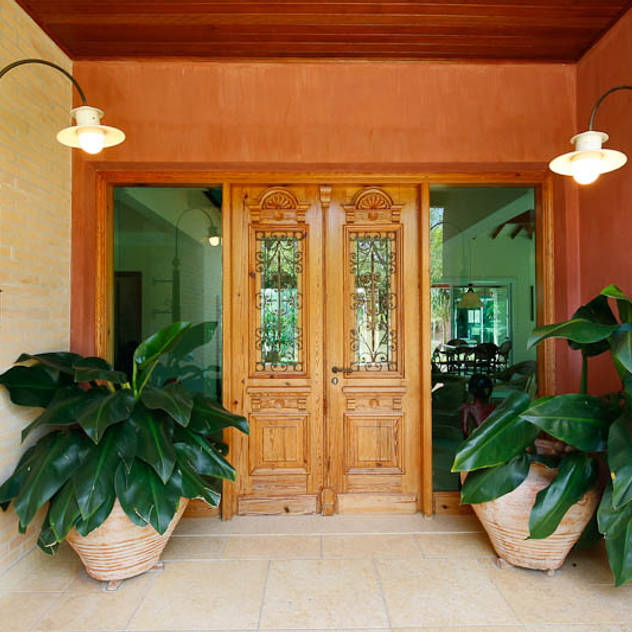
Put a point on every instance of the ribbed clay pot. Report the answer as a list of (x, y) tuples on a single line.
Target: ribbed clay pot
[(119, 549), (506, 520)]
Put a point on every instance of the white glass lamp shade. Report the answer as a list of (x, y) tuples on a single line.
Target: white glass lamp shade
[(589, 160), (88, 134), (214, 240), (470, 300)]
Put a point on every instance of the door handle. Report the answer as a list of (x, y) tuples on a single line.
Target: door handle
[(341, 369)]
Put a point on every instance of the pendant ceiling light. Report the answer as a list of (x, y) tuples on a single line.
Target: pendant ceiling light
[(590, 160), (470, 300), (88, 133)]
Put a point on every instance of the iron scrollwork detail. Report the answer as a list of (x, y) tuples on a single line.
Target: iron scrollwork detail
[(373, 339), (279, 262)]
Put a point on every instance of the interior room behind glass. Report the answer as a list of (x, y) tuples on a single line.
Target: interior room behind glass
[(167, 267), (483, 292)]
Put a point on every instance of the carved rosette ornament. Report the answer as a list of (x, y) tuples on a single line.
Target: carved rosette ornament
[(372, 206), (278, 206)]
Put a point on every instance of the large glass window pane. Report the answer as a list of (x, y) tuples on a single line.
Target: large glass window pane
[(168, 267), (482, 249)]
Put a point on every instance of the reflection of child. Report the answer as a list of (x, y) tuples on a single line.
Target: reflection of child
[(481, 387)]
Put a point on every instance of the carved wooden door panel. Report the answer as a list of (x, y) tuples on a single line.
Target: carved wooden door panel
[(373, 338), (277, 296), (324, 289)]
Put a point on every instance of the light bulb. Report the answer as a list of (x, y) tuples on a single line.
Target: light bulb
[(91, 140), (586, 167), (214, 240)]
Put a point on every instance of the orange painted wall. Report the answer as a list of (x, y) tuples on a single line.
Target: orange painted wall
[(605, 208), (350, 116)]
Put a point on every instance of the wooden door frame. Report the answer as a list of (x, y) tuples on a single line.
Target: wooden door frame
[(101, 265)]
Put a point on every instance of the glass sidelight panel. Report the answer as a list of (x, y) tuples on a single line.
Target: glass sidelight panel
[(483, 277), (373, 336), (278, 300), (168, 267)]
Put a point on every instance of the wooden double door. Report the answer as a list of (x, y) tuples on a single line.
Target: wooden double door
[(325, 348)]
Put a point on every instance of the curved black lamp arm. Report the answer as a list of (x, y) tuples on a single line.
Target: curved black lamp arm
[(208, 217), (43, 62), (601, 98)]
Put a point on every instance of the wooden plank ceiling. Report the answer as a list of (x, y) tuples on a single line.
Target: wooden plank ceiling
[(327, 29)]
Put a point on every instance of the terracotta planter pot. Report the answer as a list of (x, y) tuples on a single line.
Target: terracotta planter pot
[(119, 549), (506, 521)]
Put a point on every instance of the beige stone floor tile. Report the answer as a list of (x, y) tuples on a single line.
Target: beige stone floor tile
[(193, 548), (329, 525), (20, 611), (466, 628), (369, 546), (590, 564), (455, 545), (317, 594), (218, 595), (441, 592), (86, 606), (569, 627), (566, 598), (272, 547), (38, 572)]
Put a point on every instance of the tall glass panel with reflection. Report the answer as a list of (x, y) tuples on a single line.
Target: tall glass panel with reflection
[(482, 242), (167, 268)]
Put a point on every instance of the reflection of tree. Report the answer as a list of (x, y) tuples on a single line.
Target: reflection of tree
[(440, 297)]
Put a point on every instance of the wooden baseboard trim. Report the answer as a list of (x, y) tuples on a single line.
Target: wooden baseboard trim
[(449, 503), (277, 505), (201, 509), (376, 503)]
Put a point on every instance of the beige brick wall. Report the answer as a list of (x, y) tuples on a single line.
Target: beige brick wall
[(35, 183)]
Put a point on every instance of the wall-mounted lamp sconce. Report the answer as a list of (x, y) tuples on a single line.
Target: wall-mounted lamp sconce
[(589, 160), (88, 133), (213, 238)]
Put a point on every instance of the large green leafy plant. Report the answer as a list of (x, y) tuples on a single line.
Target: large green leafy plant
[(595, 429), (104, 436)]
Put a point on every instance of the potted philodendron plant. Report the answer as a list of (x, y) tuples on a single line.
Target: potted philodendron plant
[(535, 503), (117, 458)]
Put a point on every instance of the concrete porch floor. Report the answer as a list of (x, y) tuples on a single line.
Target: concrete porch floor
[(314, 573)]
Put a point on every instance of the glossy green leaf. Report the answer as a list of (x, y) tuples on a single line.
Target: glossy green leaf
[(619, 549), (102, 412), (579, 330), (490, 483), (159, 343), (154, 445), (202, 456), (64, 408), (84, 527), (624, 302), (60, 361), (64, 511), (174, 399), (144, 495), (47, 541), (91, 368), (64, 452), (576, 475), (620, 459), (503, 435), (94, 480), (621, 346), (195, 337), (190, 484), (130, 488), (13, 485), (597, 311), (612, 520), (579, 420), (127, 444), (29, 385), (210, 418)]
